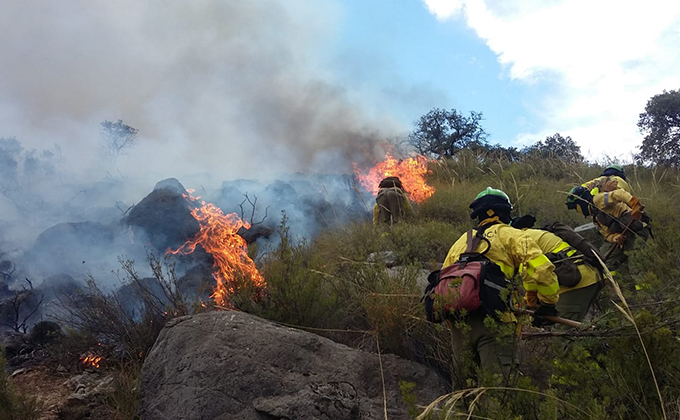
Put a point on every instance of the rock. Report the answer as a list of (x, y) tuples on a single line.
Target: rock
[(254, 233), (13, 344), (231, 365), (65, 247), (171, 184), (87, 387), (164, 216), (422, 281), (388, 257)]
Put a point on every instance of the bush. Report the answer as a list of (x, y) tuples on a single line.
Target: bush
[(596, 373)]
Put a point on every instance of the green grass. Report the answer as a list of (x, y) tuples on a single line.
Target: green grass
[(329, 284)]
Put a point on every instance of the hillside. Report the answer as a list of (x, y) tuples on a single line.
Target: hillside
[(335, 286)]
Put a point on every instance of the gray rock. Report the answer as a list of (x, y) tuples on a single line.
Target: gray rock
[(388, 257), (231, 365)]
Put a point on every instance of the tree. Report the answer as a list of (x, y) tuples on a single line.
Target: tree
[(660, 123), (443, 133), (556, 147), (117, 137)]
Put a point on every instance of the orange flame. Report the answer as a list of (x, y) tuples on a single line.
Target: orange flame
[(218, 236), (91, 360), (411, 172)]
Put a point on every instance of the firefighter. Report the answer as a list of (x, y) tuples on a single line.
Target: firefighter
[(514, 252), (391, 204), (613, 177), (576, 265), (618, 215)]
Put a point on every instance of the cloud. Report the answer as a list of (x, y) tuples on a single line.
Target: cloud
[(605, 60), (232, 88), (444, 9)]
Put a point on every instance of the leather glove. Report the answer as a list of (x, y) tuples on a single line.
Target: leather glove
[(543, 310), (619, 239), (637, 208), (531, 299)]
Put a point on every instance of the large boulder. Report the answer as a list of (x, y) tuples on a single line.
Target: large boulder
[(231, 365), (71, 248), (164, 216)]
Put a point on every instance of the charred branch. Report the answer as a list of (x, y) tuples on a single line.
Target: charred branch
[(253, 207), (17, 316)]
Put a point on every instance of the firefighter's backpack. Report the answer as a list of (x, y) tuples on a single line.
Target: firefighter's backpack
[(473, 283)]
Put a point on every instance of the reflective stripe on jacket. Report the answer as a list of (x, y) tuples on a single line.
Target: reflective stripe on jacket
[(551, 243), (617, 212), (515, 252)]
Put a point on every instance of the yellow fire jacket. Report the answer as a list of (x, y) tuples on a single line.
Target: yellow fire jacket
[(408, 209), (551, 243), (515, 252), (615, 204), (606, 183)]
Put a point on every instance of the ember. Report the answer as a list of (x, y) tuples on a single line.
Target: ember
[(91, 360), (411, 171), (218, 236)]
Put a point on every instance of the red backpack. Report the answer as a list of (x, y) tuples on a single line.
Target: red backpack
[(473, 283)]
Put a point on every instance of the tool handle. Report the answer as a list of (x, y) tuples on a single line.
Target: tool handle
[(555, 319)]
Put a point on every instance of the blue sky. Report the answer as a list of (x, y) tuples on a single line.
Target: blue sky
[(244, 88), (446, 62)]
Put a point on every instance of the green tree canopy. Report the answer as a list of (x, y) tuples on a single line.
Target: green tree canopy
[(660, 123), (442, 133), (556, 147)]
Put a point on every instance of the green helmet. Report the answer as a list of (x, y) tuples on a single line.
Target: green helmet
[(493, 191), (614, 170), (491, 199), (580, 197)]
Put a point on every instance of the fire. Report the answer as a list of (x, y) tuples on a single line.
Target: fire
[(411, 172), (218, 236), (91, 360)]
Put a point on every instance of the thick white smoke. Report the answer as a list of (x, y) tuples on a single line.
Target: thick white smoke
[(218, 91), (231, 88)]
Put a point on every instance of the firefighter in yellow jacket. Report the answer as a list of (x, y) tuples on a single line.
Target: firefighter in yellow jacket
[(618, 215), (391, 204), (612, 178), (576, 265), (515, 253)]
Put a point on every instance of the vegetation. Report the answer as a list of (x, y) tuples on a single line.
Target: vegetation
[(660, 123), (339, 286), (117, 139), (444, 133), (361, 285)]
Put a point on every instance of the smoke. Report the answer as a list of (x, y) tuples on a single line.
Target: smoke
[(218, 91), (231, 88)]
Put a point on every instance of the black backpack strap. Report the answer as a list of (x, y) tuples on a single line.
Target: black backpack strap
[(472, 243)]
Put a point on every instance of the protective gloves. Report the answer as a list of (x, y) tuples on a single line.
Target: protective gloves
[(619, 239), (637, 208), (531, 299), (541, 312)]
